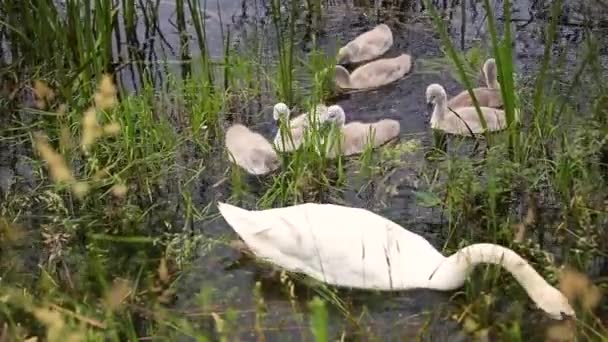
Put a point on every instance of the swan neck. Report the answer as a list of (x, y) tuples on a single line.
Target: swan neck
[(439, 110), (490, 74), (452, 273)]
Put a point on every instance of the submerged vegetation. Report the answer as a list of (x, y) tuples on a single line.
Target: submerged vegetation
[(108, 225)]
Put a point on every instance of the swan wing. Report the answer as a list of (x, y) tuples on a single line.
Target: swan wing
[(335, 244), (371, 44), (485, 96), (455, 125)]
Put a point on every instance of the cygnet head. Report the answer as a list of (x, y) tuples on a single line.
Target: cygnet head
[(345, 53), (435, 94), (554, 303), (280, 110), (334, 114)]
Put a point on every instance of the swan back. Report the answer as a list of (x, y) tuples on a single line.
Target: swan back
[(367, 46), (357, 136), (373, 253), (377, 73), (250, 150)]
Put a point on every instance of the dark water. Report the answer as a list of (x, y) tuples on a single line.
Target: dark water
[(389, 316)]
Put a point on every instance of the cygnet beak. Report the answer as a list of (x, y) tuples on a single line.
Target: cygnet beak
[(429, 106)]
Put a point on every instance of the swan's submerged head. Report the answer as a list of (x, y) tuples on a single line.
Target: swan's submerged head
[(434, 94), (553, 302)]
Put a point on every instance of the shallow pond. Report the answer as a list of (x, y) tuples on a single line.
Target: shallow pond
[(388, 316)]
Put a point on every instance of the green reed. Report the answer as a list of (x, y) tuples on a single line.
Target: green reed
[(286, 36)]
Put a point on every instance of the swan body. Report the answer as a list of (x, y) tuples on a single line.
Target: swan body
[(488, 96), (367, 46), (356, 248), (250, 150), (357, 135), (374, 74), (443, 119), (297, 126)]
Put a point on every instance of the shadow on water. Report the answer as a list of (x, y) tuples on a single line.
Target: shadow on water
[(160, 48)]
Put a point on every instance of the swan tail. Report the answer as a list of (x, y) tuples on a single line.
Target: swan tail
[(385, 131), (244, 222)]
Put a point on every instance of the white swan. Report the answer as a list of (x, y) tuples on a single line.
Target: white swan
[(374, 74), (357, 135), (297, 126), (444, 119), (488, 96), (250, 150), (353, 247), (367, 46)]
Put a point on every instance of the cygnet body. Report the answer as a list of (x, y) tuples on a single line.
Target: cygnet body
[(250, 150), (357, 135), (374, 74), (367, 46), (445, 120)]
